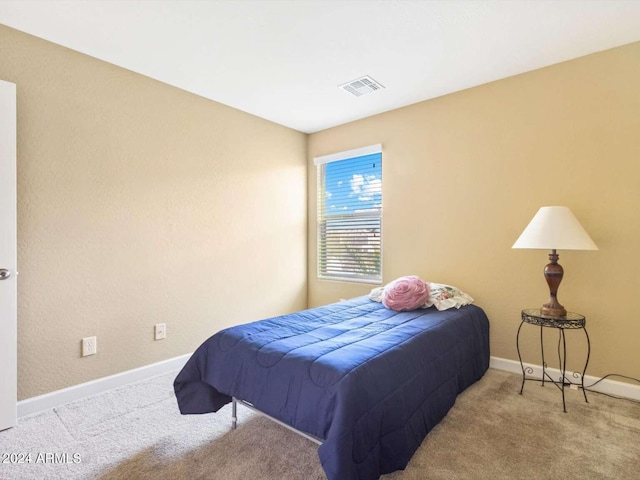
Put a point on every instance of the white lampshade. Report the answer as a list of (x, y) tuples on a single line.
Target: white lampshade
[(555, 228)]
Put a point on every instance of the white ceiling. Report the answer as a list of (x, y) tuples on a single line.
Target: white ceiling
[(283, 59)]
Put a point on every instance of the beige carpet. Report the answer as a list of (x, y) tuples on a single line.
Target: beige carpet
[(135, 432)]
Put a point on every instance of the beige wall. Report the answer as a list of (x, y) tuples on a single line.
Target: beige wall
[(139, 203), (463, 175)]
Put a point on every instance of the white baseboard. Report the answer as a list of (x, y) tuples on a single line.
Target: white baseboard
[(70, 394), (59, 397), (611, 387)]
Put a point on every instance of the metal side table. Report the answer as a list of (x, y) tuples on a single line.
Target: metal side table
[(573, 321)]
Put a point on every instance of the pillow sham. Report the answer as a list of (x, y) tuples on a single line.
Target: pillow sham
[(445, 297)]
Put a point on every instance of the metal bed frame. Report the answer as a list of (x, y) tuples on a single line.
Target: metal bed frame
[(234, 420)]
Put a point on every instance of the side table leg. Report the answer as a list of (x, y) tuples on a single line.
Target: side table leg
[(544, 364), (586, 364), (520, 356), (563, 366)]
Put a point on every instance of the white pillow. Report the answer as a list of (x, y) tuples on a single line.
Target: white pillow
[(445, 297)]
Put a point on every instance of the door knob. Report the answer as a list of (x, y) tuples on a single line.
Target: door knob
[(4, 273)]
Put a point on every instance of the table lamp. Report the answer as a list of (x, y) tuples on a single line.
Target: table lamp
[(554, 228)]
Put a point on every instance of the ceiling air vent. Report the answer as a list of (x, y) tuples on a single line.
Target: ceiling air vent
[(361, 86)]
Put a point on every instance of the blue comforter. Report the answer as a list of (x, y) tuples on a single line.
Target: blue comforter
[(369, 381)]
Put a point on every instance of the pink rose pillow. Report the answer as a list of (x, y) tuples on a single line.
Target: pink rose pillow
[(405, 293)]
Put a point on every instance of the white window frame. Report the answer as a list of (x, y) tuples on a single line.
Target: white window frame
[(320, 162)]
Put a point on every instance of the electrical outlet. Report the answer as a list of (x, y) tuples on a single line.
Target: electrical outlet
[(89, 346), (160, 331)]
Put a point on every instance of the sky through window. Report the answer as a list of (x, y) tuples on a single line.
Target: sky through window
[(353, 186)]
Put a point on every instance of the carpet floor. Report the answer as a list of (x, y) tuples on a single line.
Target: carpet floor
[(136, 432)]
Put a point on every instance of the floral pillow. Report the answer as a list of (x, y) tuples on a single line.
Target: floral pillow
[(405, 294), (445, 297), (441, 295)]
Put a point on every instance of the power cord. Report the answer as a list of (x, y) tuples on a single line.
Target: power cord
[(588, 387)]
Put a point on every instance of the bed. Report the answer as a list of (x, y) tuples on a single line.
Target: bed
[(368, 382)]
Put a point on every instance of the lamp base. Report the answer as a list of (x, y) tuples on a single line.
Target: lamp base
[(553, 274), (553, 311)]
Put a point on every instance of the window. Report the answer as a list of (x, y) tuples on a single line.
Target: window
[(350, 215)]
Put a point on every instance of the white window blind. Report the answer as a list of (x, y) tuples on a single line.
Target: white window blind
[(350, 215)]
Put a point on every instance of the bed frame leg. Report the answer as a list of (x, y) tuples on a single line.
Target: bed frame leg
[(234, 409)]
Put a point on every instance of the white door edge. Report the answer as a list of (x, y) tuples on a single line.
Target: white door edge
[(8, 257)]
